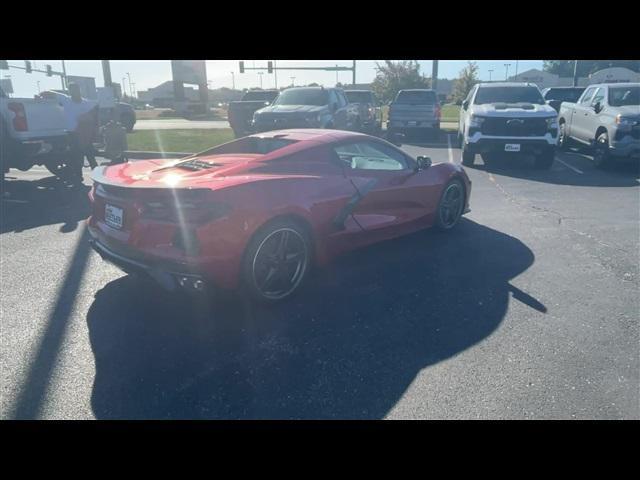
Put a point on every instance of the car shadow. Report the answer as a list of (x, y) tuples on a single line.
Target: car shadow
[(348, 346), (580, 172), (34, 203)]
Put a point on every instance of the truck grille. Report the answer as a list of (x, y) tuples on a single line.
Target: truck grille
[(514, 127)]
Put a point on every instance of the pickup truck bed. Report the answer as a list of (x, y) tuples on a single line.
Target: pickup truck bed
[(240, 113)]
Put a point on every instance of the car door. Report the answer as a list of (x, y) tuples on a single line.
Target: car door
[(391, 195), (580, 115)]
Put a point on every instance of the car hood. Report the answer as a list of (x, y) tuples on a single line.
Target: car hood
[(513, 110), (291, 109)]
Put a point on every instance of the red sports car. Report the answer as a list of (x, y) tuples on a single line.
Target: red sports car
[(260, 211)]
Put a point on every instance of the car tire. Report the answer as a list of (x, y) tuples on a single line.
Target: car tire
[(563, 141), (601, 155), (451, 206), (273, 271), (545, 160), (467, 157)]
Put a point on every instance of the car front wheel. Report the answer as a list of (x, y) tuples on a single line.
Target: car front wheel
[(277, 261), (601, 155), (451, 206)]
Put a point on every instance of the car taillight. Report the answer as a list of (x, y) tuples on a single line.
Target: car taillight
[(20, 118)]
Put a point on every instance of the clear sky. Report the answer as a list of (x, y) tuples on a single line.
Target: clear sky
[(149, 73)]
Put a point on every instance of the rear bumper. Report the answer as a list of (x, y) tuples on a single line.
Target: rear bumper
[(25, 153), (171, 277)]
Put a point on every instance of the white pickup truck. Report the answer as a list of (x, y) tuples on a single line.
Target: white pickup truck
[(32, 132)]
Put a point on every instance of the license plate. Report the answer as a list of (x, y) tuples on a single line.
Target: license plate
[(512, 147), (113, 216)]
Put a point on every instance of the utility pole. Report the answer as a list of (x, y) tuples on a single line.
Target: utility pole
[(354, 72), (275, 73), (506, 75), (124, 90), (336, 75), (130, 87), (575, 73), (64, 76), (490, 71), (233, 81), (516, 70), (434, 74), (260, 73)]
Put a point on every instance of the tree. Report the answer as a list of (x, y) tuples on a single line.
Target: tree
[(564, 68), (462, 85), (394, 76)]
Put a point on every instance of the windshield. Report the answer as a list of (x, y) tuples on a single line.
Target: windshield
[(303, 96), (508, 95), (416, 97), (564, 94), (250, 145), (258, 96), (623, 96), (360, 97)]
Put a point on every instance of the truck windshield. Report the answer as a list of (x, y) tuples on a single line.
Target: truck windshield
[(508, 95), (564, 94), (360, 97), (622, 96), (258, 96), (303, 96), (416, 97)]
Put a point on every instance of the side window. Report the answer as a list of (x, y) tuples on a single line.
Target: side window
[(587, 95), (598, 96), (370, 156), (470, 95)]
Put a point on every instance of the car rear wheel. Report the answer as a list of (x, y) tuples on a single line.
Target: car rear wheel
[(451, 206), (601, 155), (277, 261)]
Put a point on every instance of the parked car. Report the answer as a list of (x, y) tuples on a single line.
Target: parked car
[(240, 114), (369, 118), (605, 118), (307, 107), (260, 211), (505, 119), (554, 96), (414, 111), (32, 132)]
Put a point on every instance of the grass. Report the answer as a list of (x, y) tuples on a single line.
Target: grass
[(186, 140)]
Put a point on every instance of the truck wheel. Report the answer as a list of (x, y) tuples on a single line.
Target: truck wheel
[(601, 156), (468, 157), (545, 160)]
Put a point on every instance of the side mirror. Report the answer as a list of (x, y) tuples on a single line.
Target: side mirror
[(465, 104), (597, 107), (423, 162)]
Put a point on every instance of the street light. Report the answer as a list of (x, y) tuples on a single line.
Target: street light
[(490, 71), (260, 73), (130, 87), (506, 75), (124, 90)]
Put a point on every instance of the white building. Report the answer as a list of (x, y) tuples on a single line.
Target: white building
[(614, 75)]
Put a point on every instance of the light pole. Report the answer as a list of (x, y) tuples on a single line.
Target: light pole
[(260, 73), (233, 81), (293, 81), (130, 87), (506, 75), (516, 69), (490, 72), (124, 90)]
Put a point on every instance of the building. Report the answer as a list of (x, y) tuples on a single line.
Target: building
[(162, 95), (614, 75), (545, 79)]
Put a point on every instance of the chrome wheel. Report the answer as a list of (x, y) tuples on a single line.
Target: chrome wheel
[(279, 263), (451, 205)]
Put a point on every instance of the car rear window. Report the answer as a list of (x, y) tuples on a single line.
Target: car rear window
[(257, 96), (416, 97), (564, 94), (303, 96), (622, 96), (251, 145), (508, 95), (360, 97)]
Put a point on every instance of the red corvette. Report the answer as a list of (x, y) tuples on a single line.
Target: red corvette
[(260, 211)]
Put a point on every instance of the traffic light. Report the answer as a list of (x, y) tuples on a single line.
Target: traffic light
[(4, 65), (241, 67), (270, 67), (49, 71), (27, 66)]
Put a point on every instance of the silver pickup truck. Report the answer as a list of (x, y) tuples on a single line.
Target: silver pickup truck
[(414, 111), (606, 118)]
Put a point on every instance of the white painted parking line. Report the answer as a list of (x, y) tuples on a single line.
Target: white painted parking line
[(570, 166), (449, 148)]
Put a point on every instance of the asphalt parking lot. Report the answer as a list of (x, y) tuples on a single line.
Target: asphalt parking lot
[(529, 309)]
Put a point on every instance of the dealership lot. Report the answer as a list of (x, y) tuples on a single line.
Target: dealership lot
[(528, 310)]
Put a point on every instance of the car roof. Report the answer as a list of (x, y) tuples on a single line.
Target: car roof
[(506, 84), (564, 88), (621, 84)]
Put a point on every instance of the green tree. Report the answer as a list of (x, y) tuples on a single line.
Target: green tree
[(394, 76), (564, 68), (467, 78)]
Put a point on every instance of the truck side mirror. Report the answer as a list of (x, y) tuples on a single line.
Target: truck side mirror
[(465, 104)]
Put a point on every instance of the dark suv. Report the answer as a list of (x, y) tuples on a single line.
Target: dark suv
[(307, 107)]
